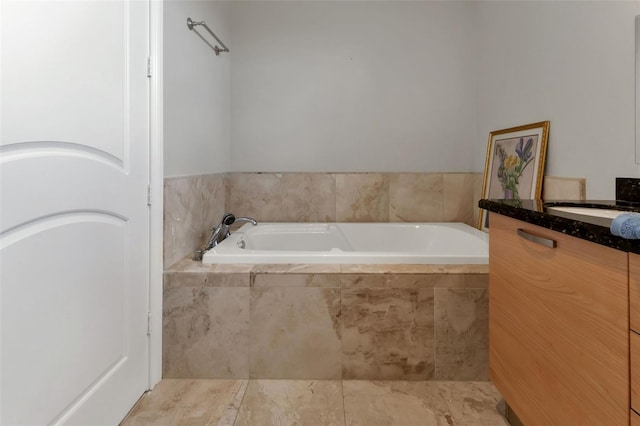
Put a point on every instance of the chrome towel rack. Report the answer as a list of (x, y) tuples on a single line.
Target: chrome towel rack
[(191, 24)]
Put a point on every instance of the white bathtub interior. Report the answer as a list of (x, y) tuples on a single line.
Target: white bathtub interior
[(353, 243)]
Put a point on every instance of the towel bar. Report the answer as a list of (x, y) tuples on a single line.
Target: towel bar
[(191, 24)]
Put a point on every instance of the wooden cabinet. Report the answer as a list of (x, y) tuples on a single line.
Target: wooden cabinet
[(634, 291), (635, 370), (559, 326), (635, 418), (634, 334)]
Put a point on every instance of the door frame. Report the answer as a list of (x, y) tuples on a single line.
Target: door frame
[(156, 181)]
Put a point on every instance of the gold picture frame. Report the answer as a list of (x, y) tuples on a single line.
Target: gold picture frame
[(514, 168)]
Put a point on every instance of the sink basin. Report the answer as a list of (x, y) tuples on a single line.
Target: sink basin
[(597, 214), (589, 211)]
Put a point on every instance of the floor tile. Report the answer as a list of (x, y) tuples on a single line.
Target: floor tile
[(193, 402), (292, 402), (473, 403), (371, 403), (318, 403)]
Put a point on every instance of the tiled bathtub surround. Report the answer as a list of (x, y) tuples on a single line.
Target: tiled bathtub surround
[(194, 204), (191, 206), (409, 322), (354, 197)]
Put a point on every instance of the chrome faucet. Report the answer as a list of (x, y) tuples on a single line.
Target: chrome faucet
[(220, 232)]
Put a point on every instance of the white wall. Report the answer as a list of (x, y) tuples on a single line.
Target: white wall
[(568, 62), (353, 86), (399, 86), (196, 90)]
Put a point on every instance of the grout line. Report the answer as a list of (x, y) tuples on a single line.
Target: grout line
[(435, 337), (246, 388), (344, 409)]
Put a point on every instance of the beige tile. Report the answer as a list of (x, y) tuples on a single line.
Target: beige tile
[(564, 188), (458, 197), (297, 280), (258, 195), (414, 280), (196, 402), (292, 402), (206, 332), (473, 403), (295, 333), (373, 403), (299, 268), (415, 269), (192, 205), (308, 197), (189, 265), (387, 333), (416, 197), (230, 268), (462, 334), (203, 279), (362, 197), (388, 280)]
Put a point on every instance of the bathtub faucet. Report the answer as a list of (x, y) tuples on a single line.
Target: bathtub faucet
[(220, 232)]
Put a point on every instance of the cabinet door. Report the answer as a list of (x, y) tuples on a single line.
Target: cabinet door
[(634, 291), (635, 370), (559, 333)]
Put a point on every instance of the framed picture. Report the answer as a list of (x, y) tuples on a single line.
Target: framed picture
[(515, 165)]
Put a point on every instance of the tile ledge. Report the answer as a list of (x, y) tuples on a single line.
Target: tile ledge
[(188, 265)]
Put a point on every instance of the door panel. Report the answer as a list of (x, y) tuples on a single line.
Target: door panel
[(74, 222), (67, 60)]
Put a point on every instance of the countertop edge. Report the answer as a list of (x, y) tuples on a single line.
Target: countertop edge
[(586, 231)]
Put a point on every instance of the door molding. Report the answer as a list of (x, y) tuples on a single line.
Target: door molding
[(156, 179)]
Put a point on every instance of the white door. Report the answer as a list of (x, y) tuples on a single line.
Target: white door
[(74, 220)]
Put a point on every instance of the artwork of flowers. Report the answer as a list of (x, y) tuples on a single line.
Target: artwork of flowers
[(515, 164), (511, 164)]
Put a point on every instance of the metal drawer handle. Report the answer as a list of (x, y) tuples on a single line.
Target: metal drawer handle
[(538, 240)]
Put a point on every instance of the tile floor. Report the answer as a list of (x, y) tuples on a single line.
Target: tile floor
[(318, 403)]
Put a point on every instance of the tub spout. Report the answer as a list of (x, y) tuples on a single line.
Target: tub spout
[(247, 219)]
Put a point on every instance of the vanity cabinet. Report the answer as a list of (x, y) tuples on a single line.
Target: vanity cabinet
[(635, 370), (559, 326), (634, 334)]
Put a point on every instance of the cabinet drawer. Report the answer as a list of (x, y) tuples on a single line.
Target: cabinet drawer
[(635, 371), (634, 291), (559, 326)]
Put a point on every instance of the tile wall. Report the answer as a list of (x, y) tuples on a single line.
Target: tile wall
[(353, 197), (194, 204), (191, 206), (418, 322)]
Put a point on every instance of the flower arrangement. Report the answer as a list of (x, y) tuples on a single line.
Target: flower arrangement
[(512, 166)]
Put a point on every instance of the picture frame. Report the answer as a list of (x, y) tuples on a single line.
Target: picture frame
[(514, 167)]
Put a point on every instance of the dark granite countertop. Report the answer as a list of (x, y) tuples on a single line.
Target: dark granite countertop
[(594, 229)]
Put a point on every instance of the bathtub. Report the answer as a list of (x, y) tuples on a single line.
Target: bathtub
[(353, 243)]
